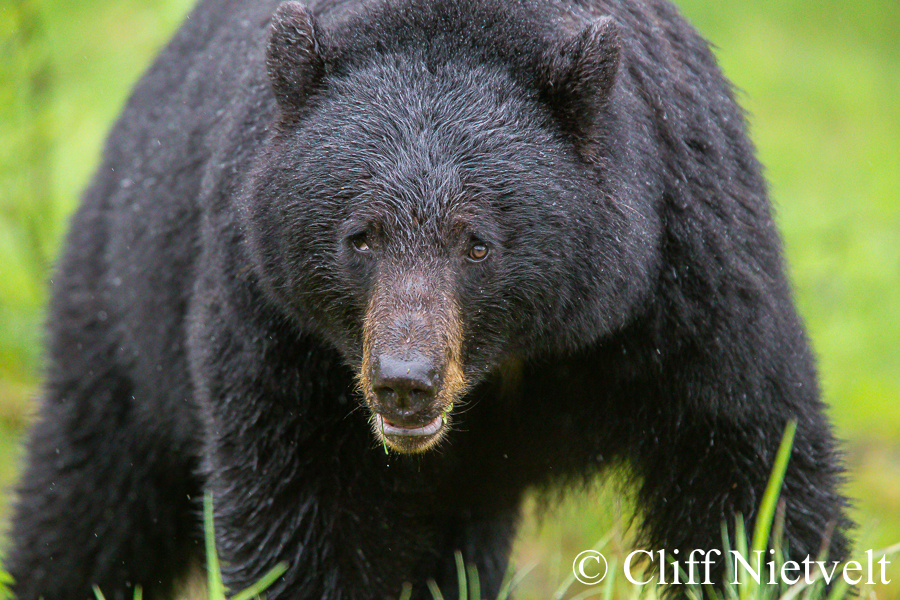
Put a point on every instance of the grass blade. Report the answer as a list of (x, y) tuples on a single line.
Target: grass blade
[(263, 584), (766, 514), (512, 579), (474, 583), (773, 490), (406, 592), (215, 588), (461, 576), (435, 590)]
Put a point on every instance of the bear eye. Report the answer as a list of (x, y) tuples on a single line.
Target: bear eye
[(478, 251), (361, 242)]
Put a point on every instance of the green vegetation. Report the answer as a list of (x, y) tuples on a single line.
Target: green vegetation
[(820, 81)]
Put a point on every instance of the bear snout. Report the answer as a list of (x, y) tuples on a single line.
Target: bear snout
[(411, 373)]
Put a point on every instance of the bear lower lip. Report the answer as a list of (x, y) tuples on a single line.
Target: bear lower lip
[(428, 429)]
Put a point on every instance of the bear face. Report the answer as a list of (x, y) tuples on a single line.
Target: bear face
[(432, 254)]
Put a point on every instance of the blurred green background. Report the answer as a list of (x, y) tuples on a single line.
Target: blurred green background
[(820, 81)]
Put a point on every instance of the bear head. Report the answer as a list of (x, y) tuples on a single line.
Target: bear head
[(432, 199)]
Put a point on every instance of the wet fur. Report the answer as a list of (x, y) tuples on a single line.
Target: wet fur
[(206, 329)]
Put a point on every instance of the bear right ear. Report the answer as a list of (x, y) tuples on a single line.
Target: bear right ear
[(293, 59)]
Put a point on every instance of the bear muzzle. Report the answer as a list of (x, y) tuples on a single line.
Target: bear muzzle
[(411, 373)]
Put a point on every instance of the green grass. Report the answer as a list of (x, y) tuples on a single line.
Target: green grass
[(820, 80)]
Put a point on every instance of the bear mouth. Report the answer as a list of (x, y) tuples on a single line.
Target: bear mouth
[(425, 430), (409, 439)]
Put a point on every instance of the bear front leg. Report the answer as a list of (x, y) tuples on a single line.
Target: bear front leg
[(104, 501), (701, 447), (701, 469)]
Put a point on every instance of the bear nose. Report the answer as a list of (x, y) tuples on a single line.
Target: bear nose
[(404, 388)]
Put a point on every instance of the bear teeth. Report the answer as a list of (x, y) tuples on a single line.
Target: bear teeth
[(429, 428)]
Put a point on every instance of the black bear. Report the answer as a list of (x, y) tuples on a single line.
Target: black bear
[(369, 270)]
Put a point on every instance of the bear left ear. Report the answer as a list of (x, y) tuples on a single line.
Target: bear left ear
[(293, 58), (580, 72)]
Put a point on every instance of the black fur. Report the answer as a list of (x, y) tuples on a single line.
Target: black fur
[(206, 322)]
